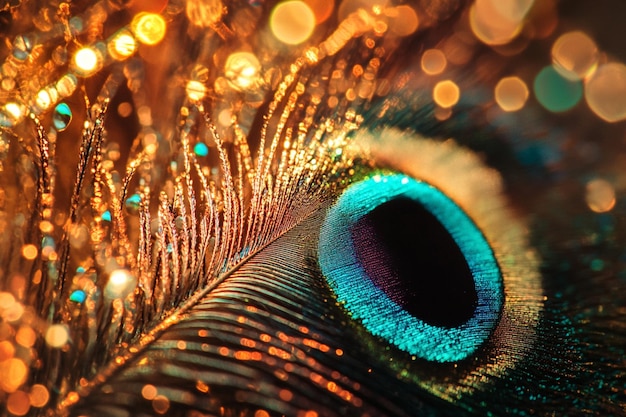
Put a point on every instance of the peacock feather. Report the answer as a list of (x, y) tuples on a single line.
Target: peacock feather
[(300, 208)]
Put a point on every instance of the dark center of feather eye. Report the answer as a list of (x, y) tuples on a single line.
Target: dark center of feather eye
[(410, 255)]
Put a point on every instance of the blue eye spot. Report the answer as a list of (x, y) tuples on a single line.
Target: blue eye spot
[(200, 149), (133, 203), (78, 296), (406, 260), (61, 117), (106, 216)]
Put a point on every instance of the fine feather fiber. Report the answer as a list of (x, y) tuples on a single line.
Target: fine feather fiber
[(181, 233)]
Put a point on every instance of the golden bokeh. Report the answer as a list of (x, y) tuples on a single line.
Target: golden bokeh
[(322, 9), (225, 118), (6, 300), (204, 13), (46, 98), (242, 70), (446, 93), (122, 45), (285, 395), (195, 90), (87, 61), (14, 113), (29, 251), (403, 20), (575, 55), (39, 395), (605, 92), (148, 392), (433, 61), (442, 114), (497, 22), (26, 336), (160, 404), (7, 350), (511, 93), (149, 28), (66, 85), (121, 281), (292, 22), (18, 403), (46, 227), (13, 311), (14, 373), (57, 335), (125, 109), (600, 195)]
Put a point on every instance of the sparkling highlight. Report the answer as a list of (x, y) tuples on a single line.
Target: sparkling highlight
[(87, 61), (149, 28)]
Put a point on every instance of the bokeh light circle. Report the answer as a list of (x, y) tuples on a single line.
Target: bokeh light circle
[(322, 9), (292, 22), (554, 92), (511, 93), (87, 61), (195, 90), (575, 55), (433, 61), (149, 28), (242, 70), (497, 22), (122, 45), (605, 92), (446, 93), (404, 20), (600, 195)]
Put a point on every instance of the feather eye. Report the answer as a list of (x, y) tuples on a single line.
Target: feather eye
[(384, 243), (493, 324)]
